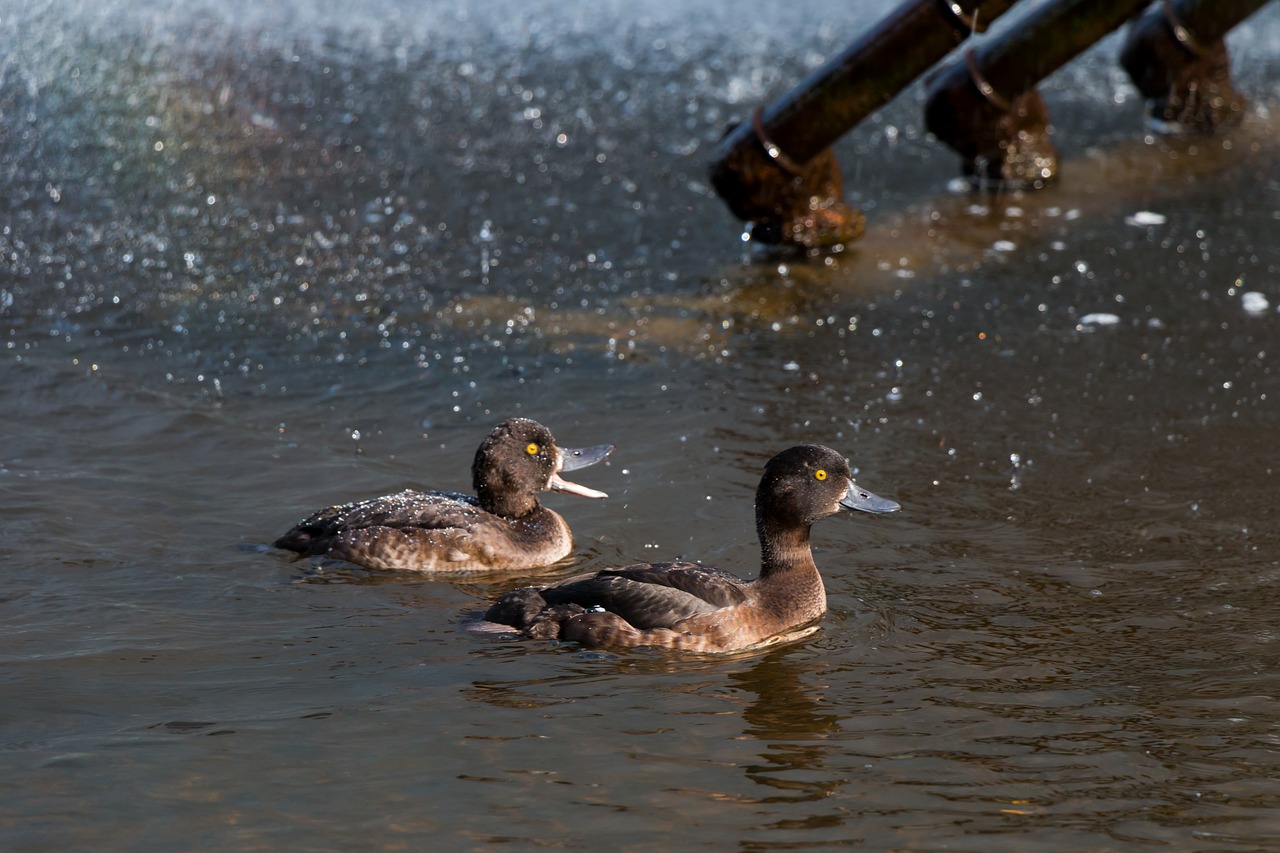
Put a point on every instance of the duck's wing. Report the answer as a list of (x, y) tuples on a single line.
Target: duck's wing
[(404, 510), (652, 595), (419, 549)]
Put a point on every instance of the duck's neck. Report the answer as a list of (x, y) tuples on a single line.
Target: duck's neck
[(788, 575), (508, 504), (784, 550)]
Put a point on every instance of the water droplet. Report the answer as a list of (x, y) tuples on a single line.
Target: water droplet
[(1098, 318), (1146, 217), (1254, 303)]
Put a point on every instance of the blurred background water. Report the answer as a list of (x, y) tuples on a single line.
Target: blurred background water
[(260, 258)]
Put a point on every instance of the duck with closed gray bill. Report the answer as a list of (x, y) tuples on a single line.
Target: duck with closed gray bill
[(501, 527), (691, 607)]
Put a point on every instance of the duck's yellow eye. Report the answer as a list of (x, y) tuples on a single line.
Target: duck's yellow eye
[(531, 449), (820, 474)]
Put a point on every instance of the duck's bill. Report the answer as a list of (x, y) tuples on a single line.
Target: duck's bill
[(571, 459), (860, 499), (559, 484)]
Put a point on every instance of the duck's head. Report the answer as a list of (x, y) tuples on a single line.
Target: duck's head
[(805, 483), (520, 458)]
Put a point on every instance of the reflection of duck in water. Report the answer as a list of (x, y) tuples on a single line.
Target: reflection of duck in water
[(502, 527), (788, 703), (698, 608), (792, 727)]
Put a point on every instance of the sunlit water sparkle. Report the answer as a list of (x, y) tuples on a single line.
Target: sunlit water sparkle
[(259, 258)]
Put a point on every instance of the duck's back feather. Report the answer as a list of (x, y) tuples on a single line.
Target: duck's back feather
[(404, 510), (652, 595)]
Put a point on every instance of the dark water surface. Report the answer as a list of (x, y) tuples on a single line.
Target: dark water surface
[(255, 262)]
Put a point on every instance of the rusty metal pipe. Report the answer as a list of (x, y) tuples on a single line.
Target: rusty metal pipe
[(869, 73), (986, 107), (1207, 20), (777, 171), (1047, 39), (1176, 56)]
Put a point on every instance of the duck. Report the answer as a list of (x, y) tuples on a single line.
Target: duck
[(501, 527), (697, 608)]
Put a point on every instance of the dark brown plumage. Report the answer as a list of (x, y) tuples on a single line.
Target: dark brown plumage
[(699, 608), (502, 527)]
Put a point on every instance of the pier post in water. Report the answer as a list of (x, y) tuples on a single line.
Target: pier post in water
[(1176, 56), (777, 172), (986, 106)]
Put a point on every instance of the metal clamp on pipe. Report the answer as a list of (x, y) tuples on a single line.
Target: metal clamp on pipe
[(1176, 56), (987, 108), (776, 171)]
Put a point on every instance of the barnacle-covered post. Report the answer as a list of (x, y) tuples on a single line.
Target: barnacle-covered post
[(986, 107), (776, 171), (1176, 56)]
